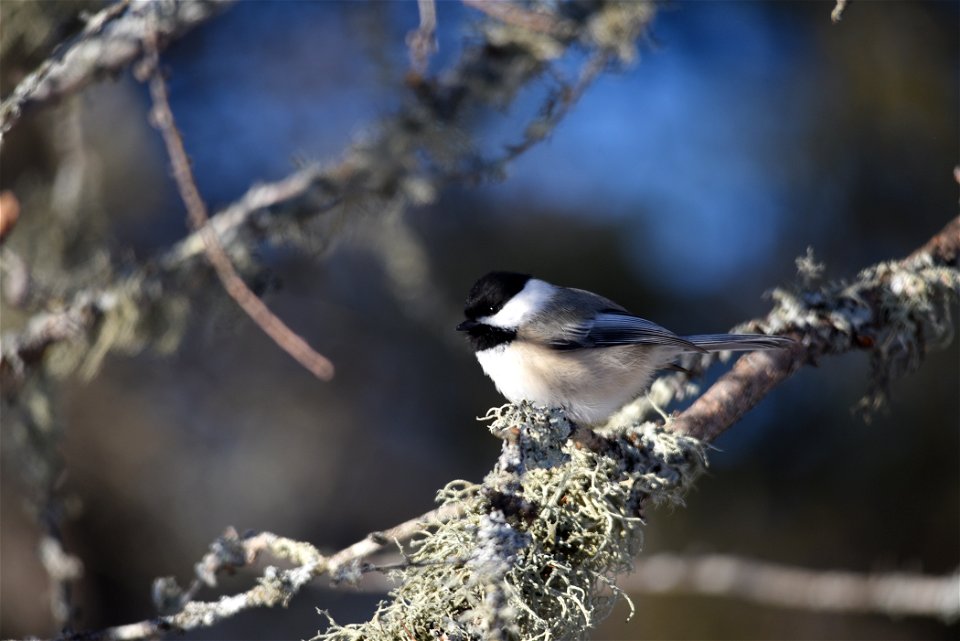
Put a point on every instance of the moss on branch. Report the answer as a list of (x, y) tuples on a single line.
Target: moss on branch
[(536, 553)]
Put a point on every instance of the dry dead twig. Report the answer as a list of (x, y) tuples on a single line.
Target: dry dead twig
[(276, 329)]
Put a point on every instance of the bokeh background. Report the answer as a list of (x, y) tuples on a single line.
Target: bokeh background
[(682, 186)]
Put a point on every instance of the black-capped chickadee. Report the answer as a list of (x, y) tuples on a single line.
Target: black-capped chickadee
[(570, 348)]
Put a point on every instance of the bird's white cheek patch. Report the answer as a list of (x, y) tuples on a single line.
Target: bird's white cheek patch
[(528, 302)]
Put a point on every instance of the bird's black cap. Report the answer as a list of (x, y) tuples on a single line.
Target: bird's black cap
[(489, 294)]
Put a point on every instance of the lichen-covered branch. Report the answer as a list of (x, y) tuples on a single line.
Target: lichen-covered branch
[(551, 547), (534, 550), (112, 40), (896, 310), (889, 593), (274, 588), (535, 554)]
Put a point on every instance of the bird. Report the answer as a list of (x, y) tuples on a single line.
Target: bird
[(570, 348)]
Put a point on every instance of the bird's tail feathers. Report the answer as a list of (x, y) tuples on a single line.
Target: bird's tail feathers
[(738, 342)]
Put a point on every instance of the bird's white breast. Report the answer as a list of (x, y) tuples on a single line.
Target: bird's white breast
[(590, 384), (510, 371)]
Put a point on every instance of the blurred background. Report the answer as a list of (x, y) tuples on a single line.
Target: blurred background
[(682, 186)]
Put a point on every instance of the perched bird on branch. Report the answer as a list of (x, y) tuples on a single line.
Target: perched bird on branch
[(570, 348)]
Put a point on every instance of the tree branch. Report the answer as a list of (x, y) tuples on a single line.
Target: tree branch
[(832, 321), (837, 12), (889, 593), (422, 41), (311, 207), (276, 329), (275, 587), (113, 39), (601, 482)]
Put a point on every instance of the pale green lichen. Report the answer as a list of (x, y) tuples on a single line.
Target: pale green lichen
[(537, 549), (130, 318), (618, 27), (897, 310)]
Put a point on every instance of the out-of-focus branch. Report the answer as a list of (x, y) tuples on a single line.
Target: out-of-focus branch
[(837, 12), (423, 40), (889, 593), (112, 40), (274, 588), (893, 594), (415, 152), (63, 569), (509, 13), (867, 314), (276, 329)]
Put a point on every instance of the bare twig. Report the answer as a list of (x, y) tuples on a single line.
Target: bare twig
[(289, 341), (112, 39), (423, 40), (889, 593)]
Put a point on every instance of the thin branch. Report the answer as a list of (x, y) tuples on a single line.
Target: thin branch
[(112, 39), (889, 593), (287, 339), (423, 40)]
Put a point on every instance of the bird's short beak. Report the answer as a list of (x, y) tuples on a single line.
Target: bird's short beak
[(467, 325)]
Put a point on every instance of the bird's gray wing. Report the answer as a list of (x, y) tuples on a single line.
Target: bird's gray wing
[(612, 327)]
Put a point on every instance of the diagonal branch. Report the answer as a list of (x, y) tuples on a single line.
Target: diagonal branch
[(276, 329), (751, 380), (819, 332)]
